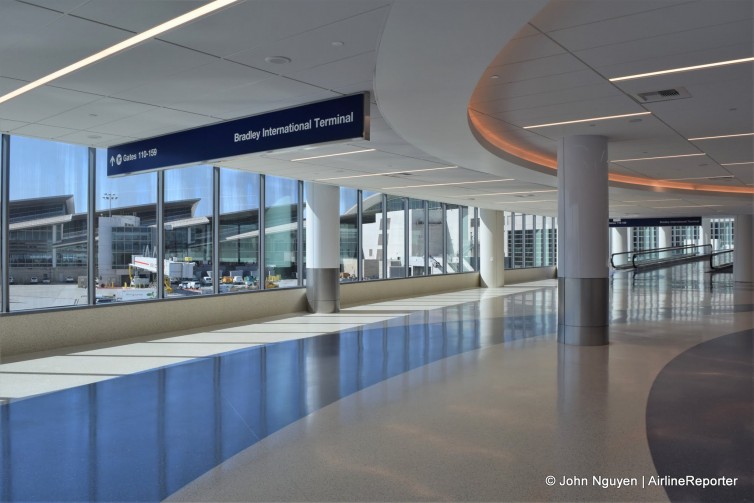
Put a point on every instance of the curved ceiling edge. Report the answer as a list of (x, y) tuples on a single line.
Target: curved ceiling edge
[(500, 146)]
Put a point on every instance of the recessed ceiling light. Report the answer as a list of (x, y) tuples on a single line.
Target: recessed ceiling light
[(121, 46), (682, 69), (660, 157), (337, 43), (449, 183), (277, 60), (586, 120), (494, 77), (721, 136), (387, 173), (736, 163), (334, 155)]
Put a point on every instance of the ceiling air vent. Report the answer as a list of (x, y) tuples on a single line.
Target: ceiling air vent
[(663, 95)]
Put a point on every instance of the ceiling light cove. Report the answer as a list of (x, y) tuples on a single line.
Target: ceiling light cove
[(682, 69), (448, 183), (121, 46), (335, 155), (660, 157), (607, 117)]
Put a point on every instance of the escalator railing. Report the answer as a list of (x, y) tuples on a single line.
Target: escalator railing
[(721, 260), (658, 256)]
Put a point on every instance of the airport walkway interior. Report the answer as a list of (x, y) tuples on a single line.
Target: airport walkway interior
[(377, 250)]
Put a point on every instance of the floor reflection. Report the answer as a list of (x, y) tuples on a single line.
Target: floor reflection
[(141, 437)]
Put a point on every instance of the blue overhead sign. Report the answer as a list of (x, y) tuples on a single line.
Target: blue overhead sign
[(655, 222), (325, 121)]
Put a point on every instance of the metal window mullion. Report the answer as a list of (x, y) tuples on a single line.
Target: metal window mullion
[(406, 234), (262, 268), (459, 245), (427, 266), (91, 285), (384, 236), (300, 235), (359, 235), (160, 234), (4, 222), (215, 229), (475, 242)]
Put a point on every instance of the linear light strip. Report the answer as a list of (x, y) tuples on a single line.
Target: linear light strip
[(651, 200), (449, 183), (736, 163), (335, 155), (721, 136), (528, 202), (121, 46), (388, 173), (514, 193), (682, 69), (660, 157), (690, 206), (587, 120)]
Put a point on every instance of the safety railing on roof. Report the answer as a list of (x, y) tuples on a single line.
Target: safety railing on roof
[(658, 256)]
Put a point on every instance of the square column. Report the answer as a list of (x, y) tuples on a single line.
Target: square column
[(583, 284)]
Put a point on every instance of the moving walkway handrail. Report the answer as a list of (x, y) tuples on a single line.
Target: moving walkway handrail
[(717, 254), (704, 250)]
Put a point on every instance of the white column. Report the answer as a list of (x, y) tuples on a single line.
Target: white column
[(619, 244), (583, 285), (705, 231), (743, 251), (491, 248), (323, 247), (664, 239)]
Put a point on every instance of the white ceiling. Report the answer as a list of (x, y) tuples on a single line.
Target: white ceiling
[(551, 69)]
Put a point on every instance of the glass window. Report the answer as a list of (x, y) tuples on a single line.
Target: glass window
[(239, 232), (188, 231), (48, 212), (417, 263), (436, 238), (396, 242), (452, 232), (280, 232), (126, 236), (349, 235), (371, 234), (468, 240)]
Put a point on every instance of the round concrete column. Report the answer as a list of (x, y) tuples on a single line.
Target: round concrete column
[(491, 248), (743, 259), (619, 243), (322, 248), (582, 241)]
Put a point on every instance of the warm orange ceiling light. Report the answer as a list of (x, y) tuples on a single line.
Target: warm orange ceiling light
[(500, 142)]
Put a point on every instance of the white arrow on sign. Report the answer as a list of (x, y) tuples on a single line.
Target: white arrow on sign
[(112, 160)]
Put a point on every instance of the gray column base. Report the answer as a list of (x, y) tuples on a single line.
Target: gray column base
[(323, 290), (583, 311)]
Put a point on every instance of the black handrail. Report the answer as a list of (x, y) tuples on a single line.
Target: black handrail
[(704, 250), (719, 266)]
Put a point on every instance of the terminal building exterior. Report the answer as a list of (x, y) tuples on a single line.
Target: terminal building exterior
[(376, 250)]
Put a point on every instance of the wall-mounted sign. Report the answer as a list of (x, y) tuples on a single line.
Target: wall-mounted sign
[(655, 222), (338, 119)]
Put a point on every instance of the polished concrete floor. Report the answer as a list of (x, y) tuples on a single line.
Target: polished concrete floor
[(454, 397)]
